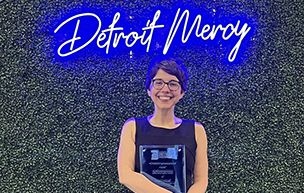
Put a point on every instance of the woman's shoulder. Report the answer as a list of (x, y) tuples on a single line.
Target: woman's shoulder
[(131, 122), (198, 125), (129, 129), (200, 133), (199, 128)]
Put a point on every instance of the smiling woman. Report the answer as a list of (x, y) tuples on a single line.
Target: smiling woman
[(166, 84)]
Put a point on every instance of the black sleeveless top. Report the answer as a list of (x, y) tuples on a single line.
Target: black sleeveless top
[(184, 134)]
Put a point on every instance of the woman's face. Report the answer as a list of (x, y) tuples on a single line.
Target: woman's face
[(165, 98)]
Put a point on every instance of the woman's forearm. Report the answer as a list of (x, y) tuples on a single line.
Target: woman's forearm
[(199, 187), (139, 183)]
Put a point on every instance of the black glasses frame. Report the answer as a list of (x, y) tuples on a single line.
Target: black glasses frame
[(167, 83)]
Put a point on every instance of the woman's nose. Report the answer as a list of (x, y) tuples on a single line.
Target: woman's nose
[(166, 88)]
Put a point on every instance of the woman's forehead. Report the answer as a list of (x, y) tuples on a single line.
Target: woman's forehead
[(161, 74)]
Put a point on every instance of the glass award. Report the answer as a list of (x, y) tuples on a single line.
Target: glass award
[(164, 165)]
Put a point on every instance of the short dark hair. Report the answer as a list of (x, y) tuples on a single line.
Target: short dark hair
[(170, 65)]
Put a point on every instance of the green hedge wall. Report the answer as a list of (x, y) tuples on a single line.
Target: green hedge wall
[(60, 121)]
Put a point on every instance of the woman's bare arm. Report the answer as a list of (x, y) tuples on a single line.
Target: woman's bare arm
[(126, 163), (201, 161)]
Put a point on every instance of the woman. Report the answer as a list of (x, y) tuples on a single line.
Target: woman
[(166, 84)]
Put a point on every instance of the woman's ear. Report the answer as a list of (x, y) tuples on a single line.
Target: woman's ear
[(182, 94), (149, 92)]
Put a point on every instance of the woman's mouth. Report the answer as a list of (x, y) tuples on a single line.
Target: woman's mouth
[(164, 98)]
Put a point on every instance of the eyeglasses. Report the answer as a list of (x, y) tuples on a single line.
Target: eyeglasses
[(159, 84)]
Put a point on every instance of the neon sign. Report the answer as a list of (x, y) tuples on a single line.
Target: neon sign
[(113, 35)]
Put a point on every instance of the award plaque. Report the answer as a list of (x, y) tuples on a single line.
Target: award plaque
[(164, 165)]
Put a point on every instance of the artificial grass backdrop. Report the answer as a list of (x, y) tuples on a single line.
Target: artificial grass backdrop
[(60, 120)]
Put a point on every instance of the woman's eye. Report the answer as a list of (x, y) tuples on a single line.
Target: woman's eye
[(173, 84)]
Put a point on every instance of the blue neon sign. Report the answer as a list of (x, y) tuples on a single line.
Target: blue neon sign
[(87, 29)]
